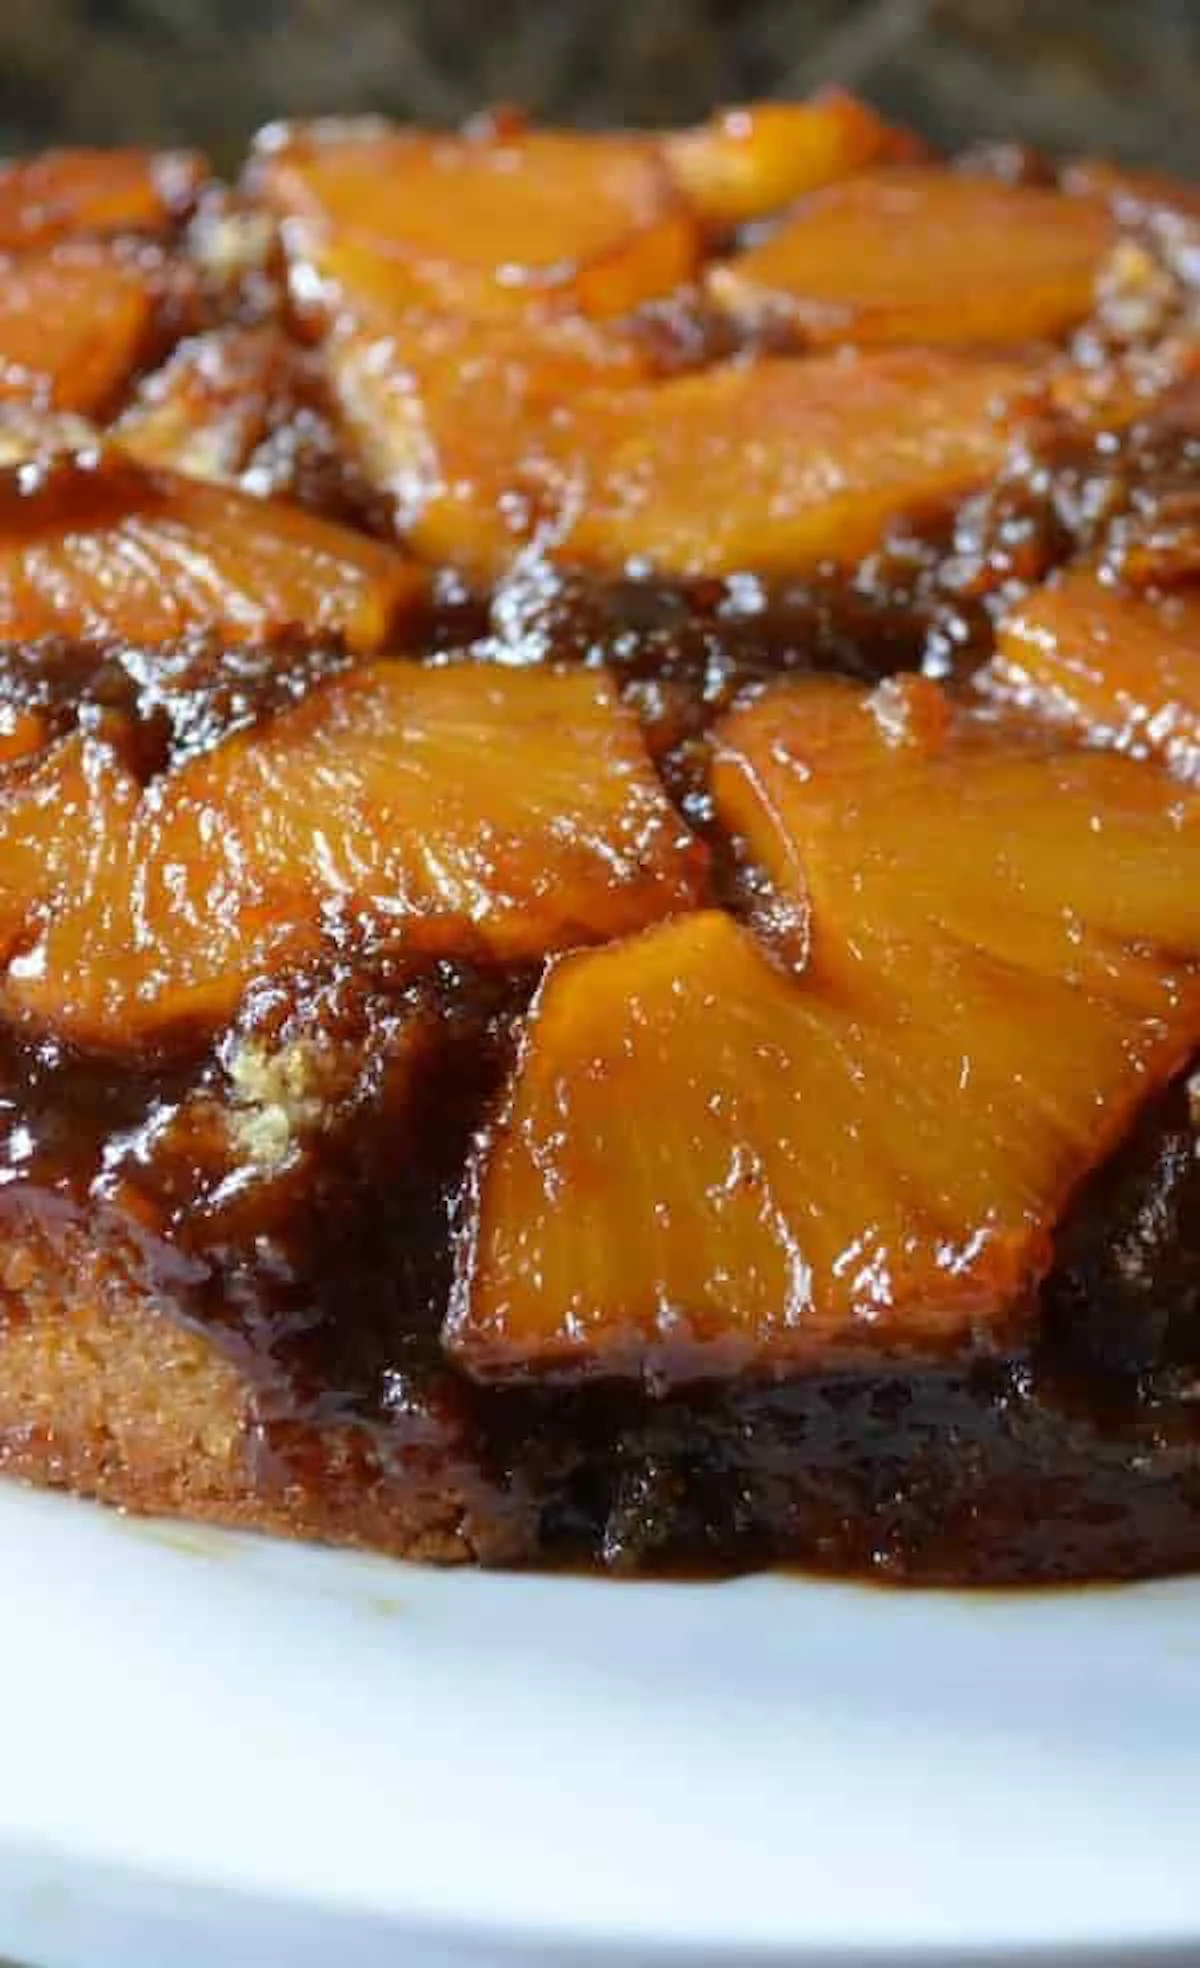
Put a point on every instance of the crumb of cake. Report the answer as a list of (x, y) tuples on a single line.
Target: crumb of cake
[(279, 1097)]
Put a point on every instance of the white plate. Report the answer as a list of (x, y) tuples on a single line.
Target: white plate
[(221, 1750)]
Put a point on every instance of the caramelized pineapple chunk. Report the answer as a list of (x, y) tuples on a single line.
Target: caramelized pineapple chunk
[(96, 192), (1124, 667), (919, 255), (75, 324), (466, 811), (776, 466), (901, 825), (747, 162), (675, 1175), (705, 1163), (94, 546), (489, 222), (469, 427)]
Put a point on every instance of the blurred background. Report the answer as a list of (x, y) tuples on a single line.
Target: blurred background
[(1118, 75)]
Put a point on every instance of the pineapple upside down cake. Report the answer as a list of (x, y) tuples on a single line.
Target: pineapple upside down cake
[(600, 845)]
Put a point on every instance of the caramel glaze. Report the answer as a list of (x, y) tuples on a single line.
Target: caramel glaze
[(325, 1273)]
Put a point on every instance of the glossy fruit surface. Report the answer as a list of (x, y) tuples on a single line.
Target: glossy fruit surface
[(419, 812), (709, 1160)]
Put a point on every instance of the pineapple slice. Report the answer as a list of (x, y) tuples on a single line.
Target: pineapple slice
[(76, 323), (96, 192), (776, 466), (489, 222), (466, 811), (469, 427), (898, 823), (919, 255), (1124, 667), (707, 1164), (92, 545), (747, 162)]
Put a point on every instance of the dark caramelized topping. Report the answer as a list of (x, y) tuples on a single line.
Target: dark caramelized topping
[(264, 1182), (246, 406), (1123, 1303), (172, 700)]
